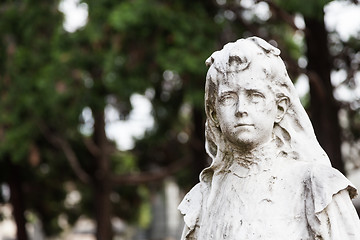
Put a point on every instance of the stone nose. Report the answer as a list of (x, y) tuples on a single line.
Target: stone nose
[(241, 107)]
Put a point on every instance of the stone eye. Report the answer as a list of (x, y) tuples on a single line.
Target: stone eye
[(255, 96), (228, 99)]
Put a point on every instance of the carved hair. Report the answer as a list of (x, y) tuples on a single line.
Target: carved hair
[(294, 133)]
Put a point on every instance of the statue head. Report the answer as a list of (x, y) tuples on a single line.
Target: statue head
[(250, 100), (245, 92)]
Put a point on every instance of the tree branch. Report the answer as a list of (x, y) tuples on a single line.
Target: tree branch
[(91, 146), (62, 144), (151, 176)]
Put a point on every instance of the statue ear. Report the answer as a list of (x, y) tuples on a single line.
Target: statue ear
[(213, 116), (282, 106)]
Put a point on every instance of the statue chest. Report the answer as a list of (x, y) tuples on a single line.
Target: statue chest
[(266, 204)]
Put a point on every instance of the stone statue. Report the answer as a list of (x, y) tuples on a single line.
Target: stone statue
[(269, 178)]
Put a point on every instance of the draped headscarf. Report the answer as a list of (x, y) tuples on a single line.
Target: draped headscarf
[(294, 134)]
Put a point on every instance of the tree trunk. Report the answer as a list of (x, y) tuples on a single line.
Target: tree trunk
[(103, 210), (198, 144), (324, 109), (102, 180), (16, 200)]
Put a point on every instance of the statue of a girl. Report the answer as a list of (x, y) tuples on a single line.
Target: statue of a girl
[(269, 178)]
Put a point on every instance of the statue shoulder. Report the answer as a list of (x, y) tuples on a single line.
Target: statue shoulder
[(192, 203), (323, 182)]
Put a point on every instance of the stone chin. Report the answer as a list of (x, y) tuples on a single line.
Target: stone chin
[(242, 140)]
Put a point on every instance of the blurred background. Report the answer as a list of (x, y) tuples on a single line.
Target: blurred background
[(101, 104)]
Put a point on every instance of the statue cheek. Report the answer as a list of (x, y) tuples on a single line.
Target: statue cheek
[(269, 108), (262, 107)]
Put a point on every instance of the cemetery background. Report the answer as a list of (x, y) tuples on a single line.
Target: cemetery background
[(67, 93)]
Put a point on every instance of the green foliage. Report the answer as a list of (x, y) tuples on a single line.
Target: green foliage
[(124, 163), (144, 213), (308, 8), (158, 33)]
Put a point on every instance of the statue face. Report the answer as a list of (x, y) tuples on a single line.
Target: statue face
[(246, 109)]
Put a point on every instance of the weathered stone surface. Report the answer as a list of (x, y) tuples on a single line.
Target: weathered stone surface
[(269, 178)]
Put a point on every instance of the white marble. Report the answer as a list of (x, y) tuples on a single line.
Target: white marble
[(269, 178)]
